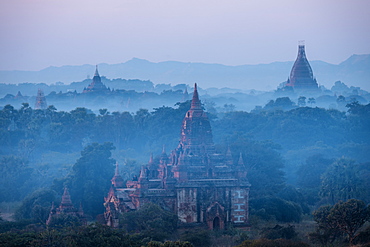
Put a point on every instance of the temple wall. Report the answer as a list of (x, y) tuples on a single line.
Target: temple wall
[(239, 205), (187, 205)]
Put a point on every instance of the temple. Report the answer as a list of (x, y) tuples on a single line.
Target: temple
[(40, 102), (201, 186), (66, 208), (301, 76), (96, 85)]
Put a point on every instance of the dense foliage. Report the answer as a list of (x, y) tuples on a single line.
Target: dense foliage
[(323, 155), (89, 179), (344, 218), (151, 221)]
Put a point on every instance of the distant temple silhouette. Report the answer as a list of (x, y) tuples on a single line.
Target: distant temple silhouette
[(301, 76), (96, 85), (201, 186), (40, 100), (66, 208)]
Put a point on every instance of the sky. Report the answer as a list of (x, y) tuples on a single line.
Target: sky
[(36, 34)]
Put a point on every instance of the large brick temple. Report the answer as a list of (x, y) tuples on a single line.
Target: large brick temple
[(201, 186), (301, 76)]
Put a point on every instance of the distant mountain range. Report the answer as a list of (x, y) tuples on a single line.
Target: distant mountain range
[(355, 71)]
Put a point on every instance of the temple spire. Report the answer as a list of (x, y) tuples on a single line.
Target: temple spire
[(195, 102), (151, 161), (116, 173), (66, 199), (96, 71), (229, 157), (117, 180), (241, 162), (142, 173)]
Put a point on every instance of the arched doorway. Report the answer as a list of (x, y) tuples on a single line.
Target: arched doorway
[(216, 223)]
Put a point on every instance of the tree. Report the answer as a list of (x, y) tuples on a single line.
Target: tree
[(349, 217), (14, 174), (325, 231), (341, 181), (273, 243), (36, 206), (278, 232), (344, 217), (198, 237), (151, 221), (262, 162), (170, 244), (302, 101), (273, 208), (89, 179), (283, 103), (309, 176), (341, 101), (311, 101)]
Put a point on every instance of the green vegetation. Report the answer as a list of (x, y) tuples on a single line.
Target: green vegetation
[(89, 179), (342, 219), (150, 221), (297, 160)]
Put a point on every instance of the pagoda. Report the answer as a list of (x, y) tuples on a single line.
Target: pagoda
[(96, 85), (40, 102), (201, 186), (301, 76), (66, 208)]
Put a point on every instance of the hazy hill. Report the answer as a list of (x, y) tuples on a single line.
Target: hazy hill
[(355, 71)]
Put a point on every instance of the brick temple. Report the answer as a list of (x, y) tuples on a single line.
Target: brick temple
[(301, 76), (201, 186), (96, 85)]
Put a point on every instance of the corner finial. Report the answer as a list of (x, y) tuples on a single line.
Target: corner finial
[(241, 162), (151, 159), (142, 172)]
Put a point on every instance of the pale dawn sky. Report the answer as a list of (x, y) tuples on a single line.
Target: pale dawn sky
[(36, 34)]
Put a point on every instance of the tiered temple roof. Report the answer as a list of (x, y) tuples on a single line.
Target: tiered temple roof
[(96, 85), (194, 181), (66, 208), (301, 76)]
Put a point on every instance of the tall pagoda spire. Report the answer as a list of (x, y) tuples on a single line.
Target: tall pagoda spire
[(196, 134), (195, 102), (117, 180), (151, 160), (96, 71)]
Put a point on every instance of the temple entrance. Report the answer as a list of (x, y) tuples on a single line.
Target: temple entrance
[(216, 223)]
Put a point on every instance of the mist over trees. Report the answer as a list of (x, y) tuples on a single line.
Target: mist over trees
[(298, 156)]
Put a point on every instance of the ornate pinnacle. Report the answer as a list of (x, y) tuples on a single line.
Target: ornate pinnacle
[(96, 71), (241, 162), (66, 198), (195, 102), (116, 173), (151, 159), (142, 172)]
